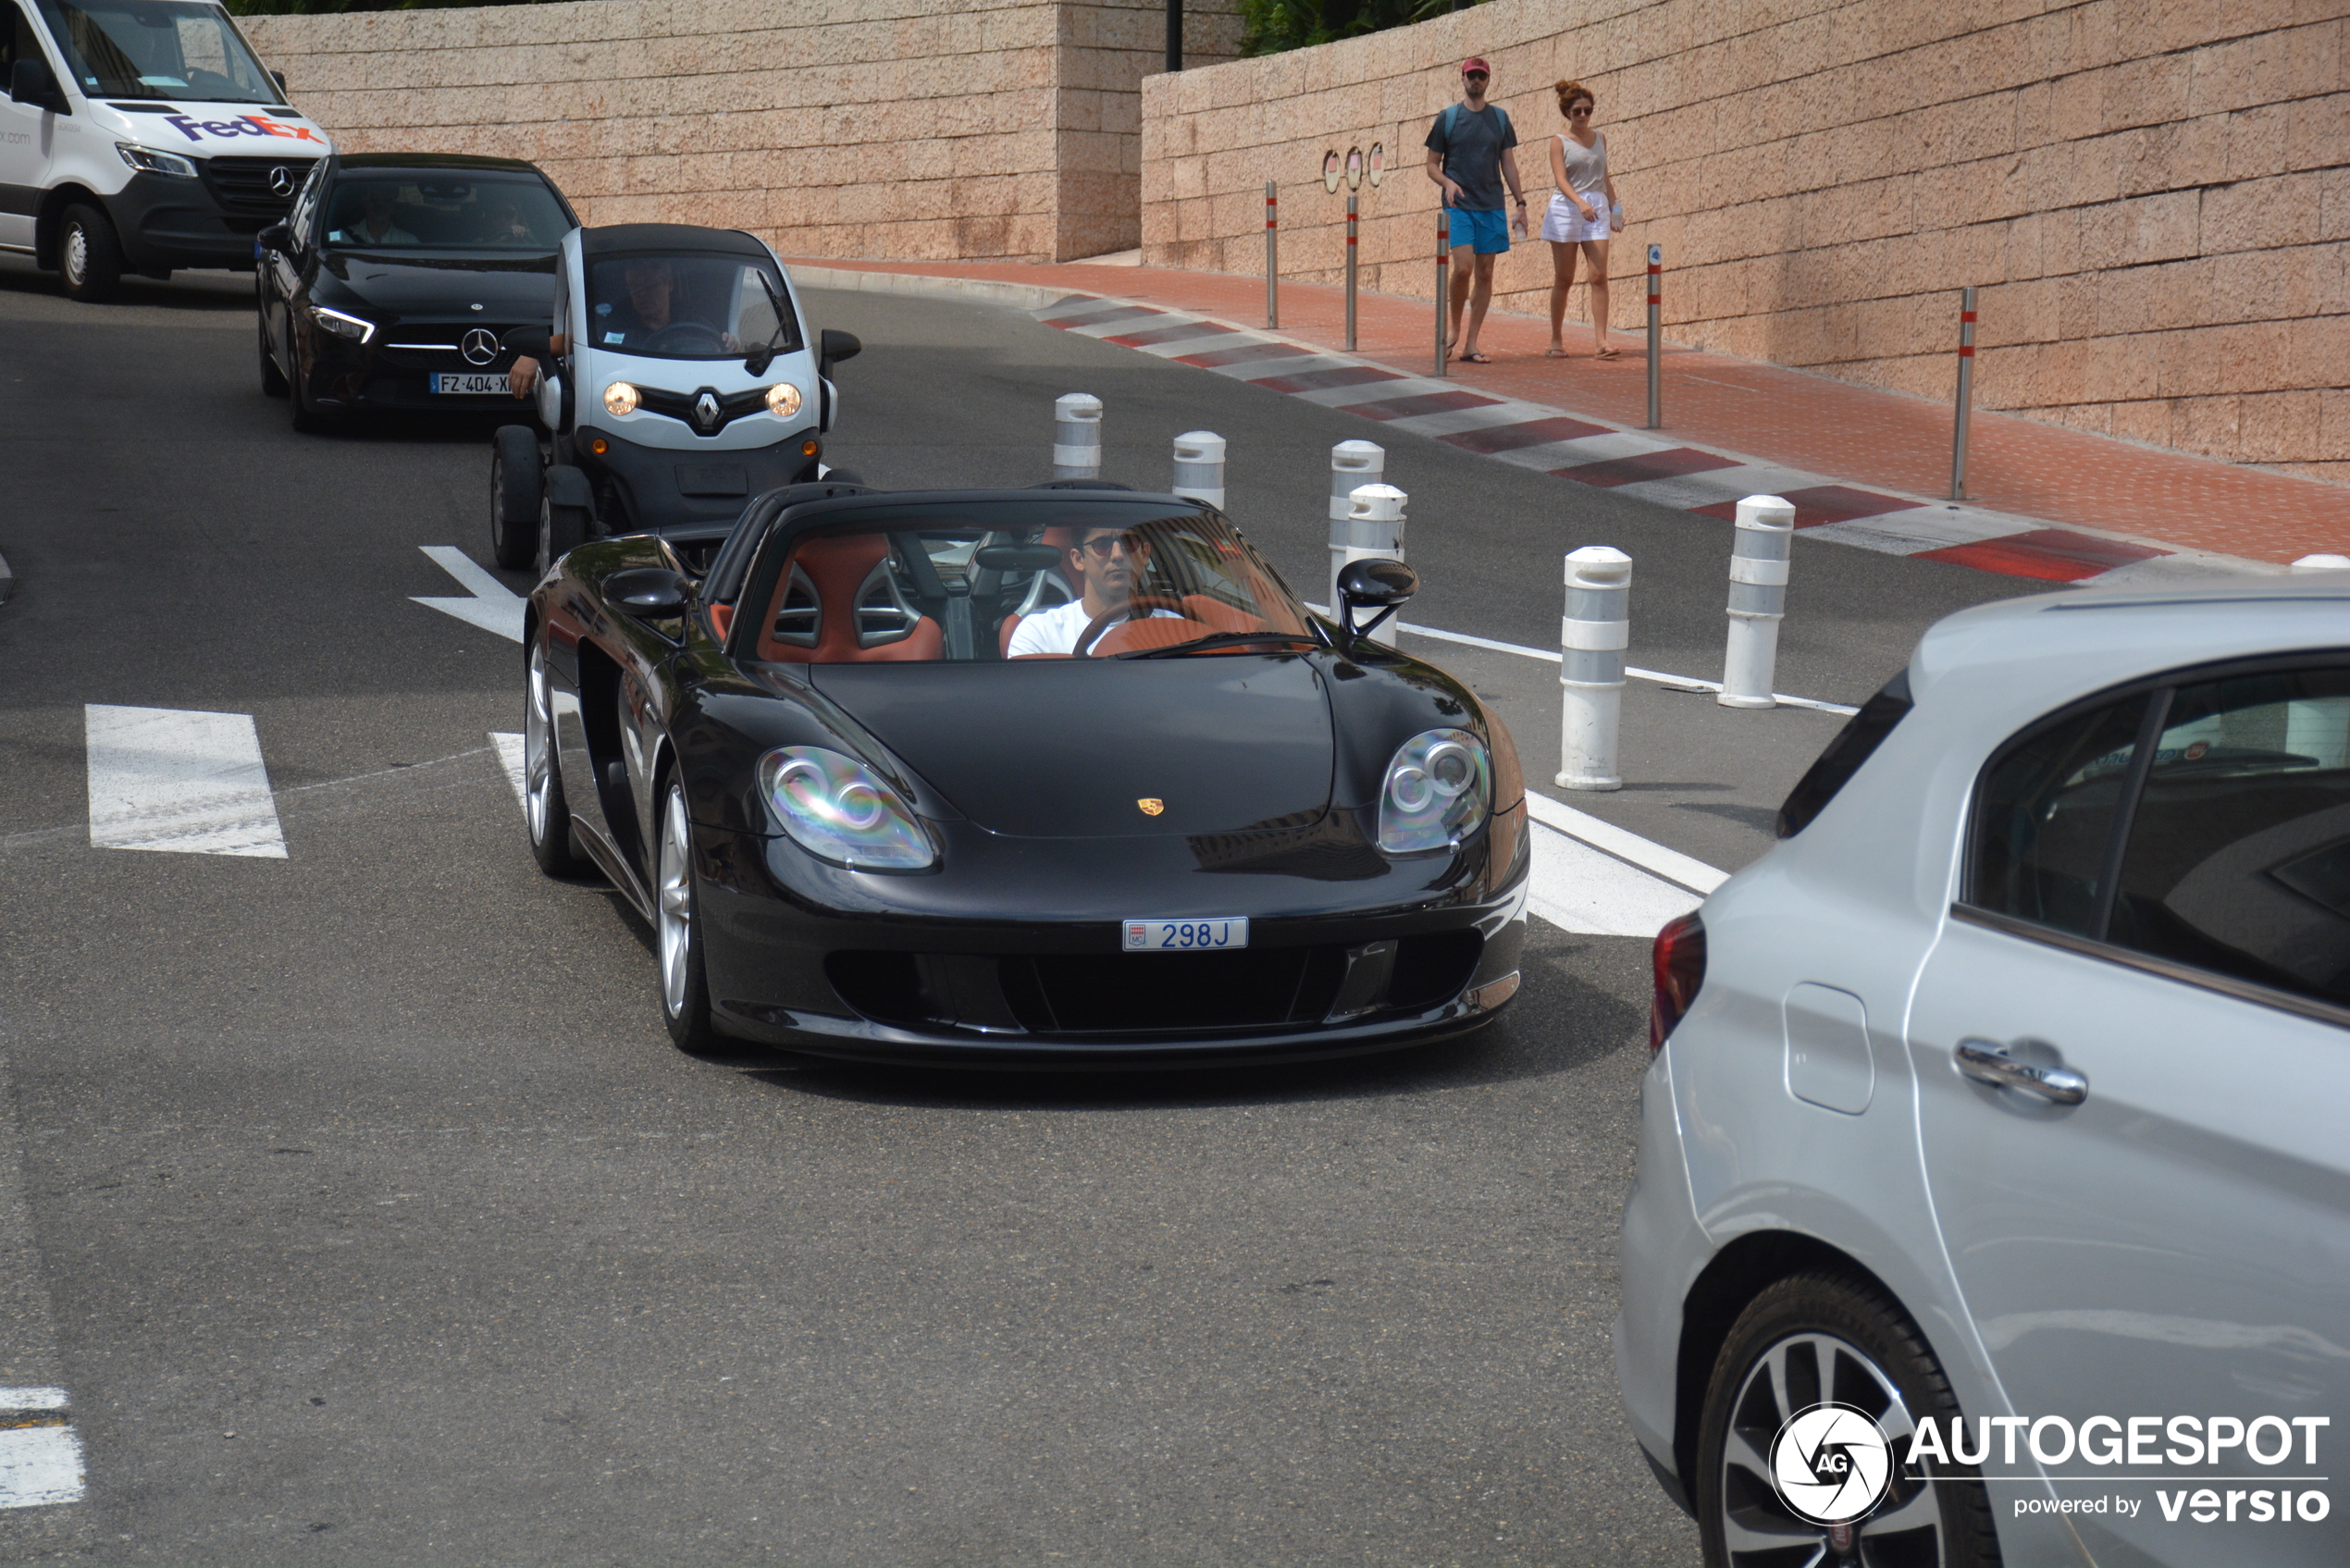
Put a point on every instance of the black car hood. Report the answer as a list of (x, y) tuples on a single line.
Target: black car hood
[(1071, 749), (438, 285)]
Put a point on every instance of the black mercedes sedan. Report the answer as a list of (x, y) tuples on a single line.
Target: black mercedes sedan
[(1023, 779), (392, 280)]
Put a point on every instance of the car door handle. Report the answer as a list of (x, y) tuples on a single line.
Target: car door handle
[(1987, 1061)]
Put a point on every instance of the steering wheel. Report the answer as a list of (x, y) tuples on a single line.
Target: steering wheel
[(1134, 608), (687, 338)]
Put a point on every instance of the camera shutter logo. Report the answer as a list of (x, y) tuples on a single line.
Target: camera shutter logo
[(1831, 1463), (479, 346), (281, 181)]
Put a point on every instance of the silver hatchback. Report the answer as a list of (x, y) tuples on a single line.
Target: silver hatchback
[(1994, 1188)]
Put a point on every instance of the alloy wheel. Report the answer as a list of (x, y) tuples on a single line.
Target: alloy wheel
[(677, 903), (537, 749)]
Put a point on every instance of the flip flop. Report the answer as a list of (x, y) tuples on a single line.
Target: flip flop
[(1608, 354), (1554, 353), (1477, 357)]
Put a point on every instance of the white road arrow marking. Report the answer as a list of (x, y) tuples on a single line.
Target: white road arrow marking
[(494, 606)]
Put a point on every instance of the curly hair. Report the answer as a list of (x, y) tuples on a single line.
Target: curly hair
[(1570, 90)]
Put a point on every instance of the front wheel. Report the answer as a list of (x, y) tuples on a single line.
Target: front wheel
[(1805, 1343), (546, 814), (89, 256), (517, 486), (685, 988)]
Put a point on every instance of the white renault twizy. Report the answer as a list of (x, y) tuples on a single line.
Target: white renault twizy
[(676, 381)]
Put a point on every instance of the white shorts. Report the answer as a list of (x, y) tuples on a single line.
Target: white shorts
[(1564, 225)]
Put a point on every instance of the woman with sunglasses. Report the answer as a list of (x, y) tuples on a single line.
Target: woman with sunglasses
[(1581, 215)]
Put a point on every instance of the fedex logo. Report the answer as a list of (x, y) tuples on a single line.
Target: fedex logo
[(243, 125)]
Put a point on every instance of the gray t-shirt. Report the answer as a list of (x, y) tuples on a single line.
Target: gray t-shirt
[(1473, 151)]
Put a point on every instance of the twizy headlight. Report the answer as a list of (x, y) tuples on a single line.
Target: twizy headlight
[(341, 326), (837, 809), (783, 399), (146, 160), (1437, 791), (620, 398)]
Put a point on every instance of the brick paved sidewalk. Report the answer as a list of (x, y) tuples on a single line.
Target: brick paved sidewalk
[(1774, 418)]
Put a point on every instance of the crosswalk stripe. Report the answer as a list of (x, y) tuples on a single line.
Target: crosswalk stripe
[(39, 1455), (185, 782)]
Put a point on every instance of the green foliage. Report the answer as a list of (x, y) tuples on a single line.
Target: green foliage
[(320, 7), (1271, 26)]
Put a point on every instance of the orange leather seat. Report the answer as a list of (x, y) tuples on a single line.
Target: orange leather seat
[(1059, 539), (842, 570)]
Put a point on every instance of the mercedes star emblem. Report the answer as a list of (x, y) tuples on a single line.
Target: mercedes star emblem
[(480, 346), (282, 182), (706, 410)]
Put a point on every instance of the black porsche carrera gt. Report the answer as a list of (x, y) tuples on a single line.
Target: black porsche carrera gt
[(1021, 778)]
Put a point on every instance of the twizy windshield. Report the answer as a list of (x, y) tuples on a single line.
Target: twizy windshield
[(687, 306), (442, 210), (1108, 581), (173, 49)]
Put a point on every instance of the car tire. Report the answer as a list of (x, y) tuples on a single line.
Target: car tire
[(545, 815), (561, 529), (517, 486), (1841, 1342), (685, 986), (272, 380), (89, 256)]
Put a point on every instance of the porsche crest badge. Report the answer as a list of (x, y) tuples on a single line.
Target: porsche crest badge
[(1152, 806)]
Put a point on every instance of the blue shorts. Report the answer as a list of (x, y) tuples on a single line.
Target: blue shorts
[(1487, 232)]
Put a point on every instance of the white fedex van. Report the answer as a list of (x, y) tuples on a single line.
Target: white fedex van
[(140, 136)]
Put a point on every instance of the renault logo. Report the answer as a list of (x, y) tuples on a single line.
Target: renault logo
[(480, 346), (706, 410), (282, 182)]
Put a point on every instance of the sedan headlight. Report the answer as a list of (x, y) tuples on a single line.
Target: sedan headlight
[(783, 399), (620, 398), (1438, 788), (837, 808), (146, 160), (341, 326)]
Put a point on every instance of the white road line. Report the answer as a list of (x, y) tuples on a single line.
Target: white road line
[(39, 1465), (1576, 888), (509, 753), (494, 606), (189, 783), (1688, 872)]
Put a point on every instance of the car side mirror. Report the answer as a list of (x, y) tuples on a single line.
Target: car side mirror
[(835, 346), (277, 237), (649, 593), (1373, 584), (31, 81), (280, 77)]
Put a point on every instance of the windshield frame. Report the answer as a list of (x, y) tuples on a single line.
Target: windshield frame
[(55, 19)]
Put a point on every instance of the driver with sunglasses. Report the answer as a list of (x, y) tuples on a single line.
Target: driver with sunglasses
[(1104, 562)]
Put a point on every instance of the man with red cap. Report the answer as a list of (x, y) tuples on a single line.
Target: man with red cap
[(1471, 150)]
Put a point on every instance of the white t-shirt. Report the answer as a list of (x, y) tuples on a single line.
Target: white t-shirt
[(1057, 629)]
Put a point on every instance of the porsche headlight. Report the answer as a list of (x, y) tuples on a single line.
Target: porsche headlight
[(1438, 790), (341, 326), (783, 399), (837, 808), (620, 398)]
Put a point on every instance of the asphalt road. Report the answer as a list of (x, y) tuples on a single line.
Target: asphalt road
[(361, 1207)]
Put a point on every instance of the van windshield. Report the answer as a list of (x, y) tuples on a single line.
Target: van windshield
[(172, 49)]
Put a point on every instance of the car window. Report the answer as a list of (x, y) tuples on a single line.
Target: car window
[(1853, 745), (687, 306), (18, 41), (2044, 817), (2238, 857), (170, 49), (1128, 580), (457, 210)]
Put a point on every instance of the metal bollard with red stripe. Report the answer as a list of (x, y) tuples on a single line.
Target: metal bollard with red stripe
[(1443, 280), (1350, 275), (1272, 257), (1656, 338), (1966, 393)]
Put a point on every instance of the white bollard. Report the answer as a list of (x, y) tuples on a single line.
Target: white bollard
[(2321, 563), (1352, 465), (1374, 532), (1758, 601), (1199, 467), (1077, 436), (1593, 636)]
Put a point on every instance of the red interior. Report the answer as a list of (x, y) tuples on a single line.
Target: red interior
[(837, 568)]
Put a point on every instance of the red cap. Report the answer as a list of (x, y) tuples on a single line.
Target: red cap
[(1476, 63)]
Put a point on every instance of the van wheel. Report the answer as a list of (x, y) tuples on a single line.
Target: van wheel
[(516, 482), (272, 380), (1818, 1339), (89, 255)]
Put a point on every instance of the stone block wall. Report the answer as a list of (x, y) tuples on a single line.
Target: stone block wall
[(904, 129), (2154, 196)]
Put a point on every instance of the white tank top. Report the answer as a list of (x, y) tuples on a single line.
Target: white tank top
[(1585, 167)]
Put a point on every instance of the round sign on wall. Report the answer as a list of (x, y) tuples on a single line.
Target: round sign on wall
[(1331, 171)]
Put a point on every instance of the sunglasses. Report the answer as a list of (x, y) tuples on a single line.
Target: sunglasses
[(1100, 549), (1582, 113)]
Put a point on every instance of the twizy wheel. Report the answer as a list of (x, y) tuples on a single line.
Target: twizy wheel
[(1814, 1341), (685, 992), (546, 814), (516, 485)]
